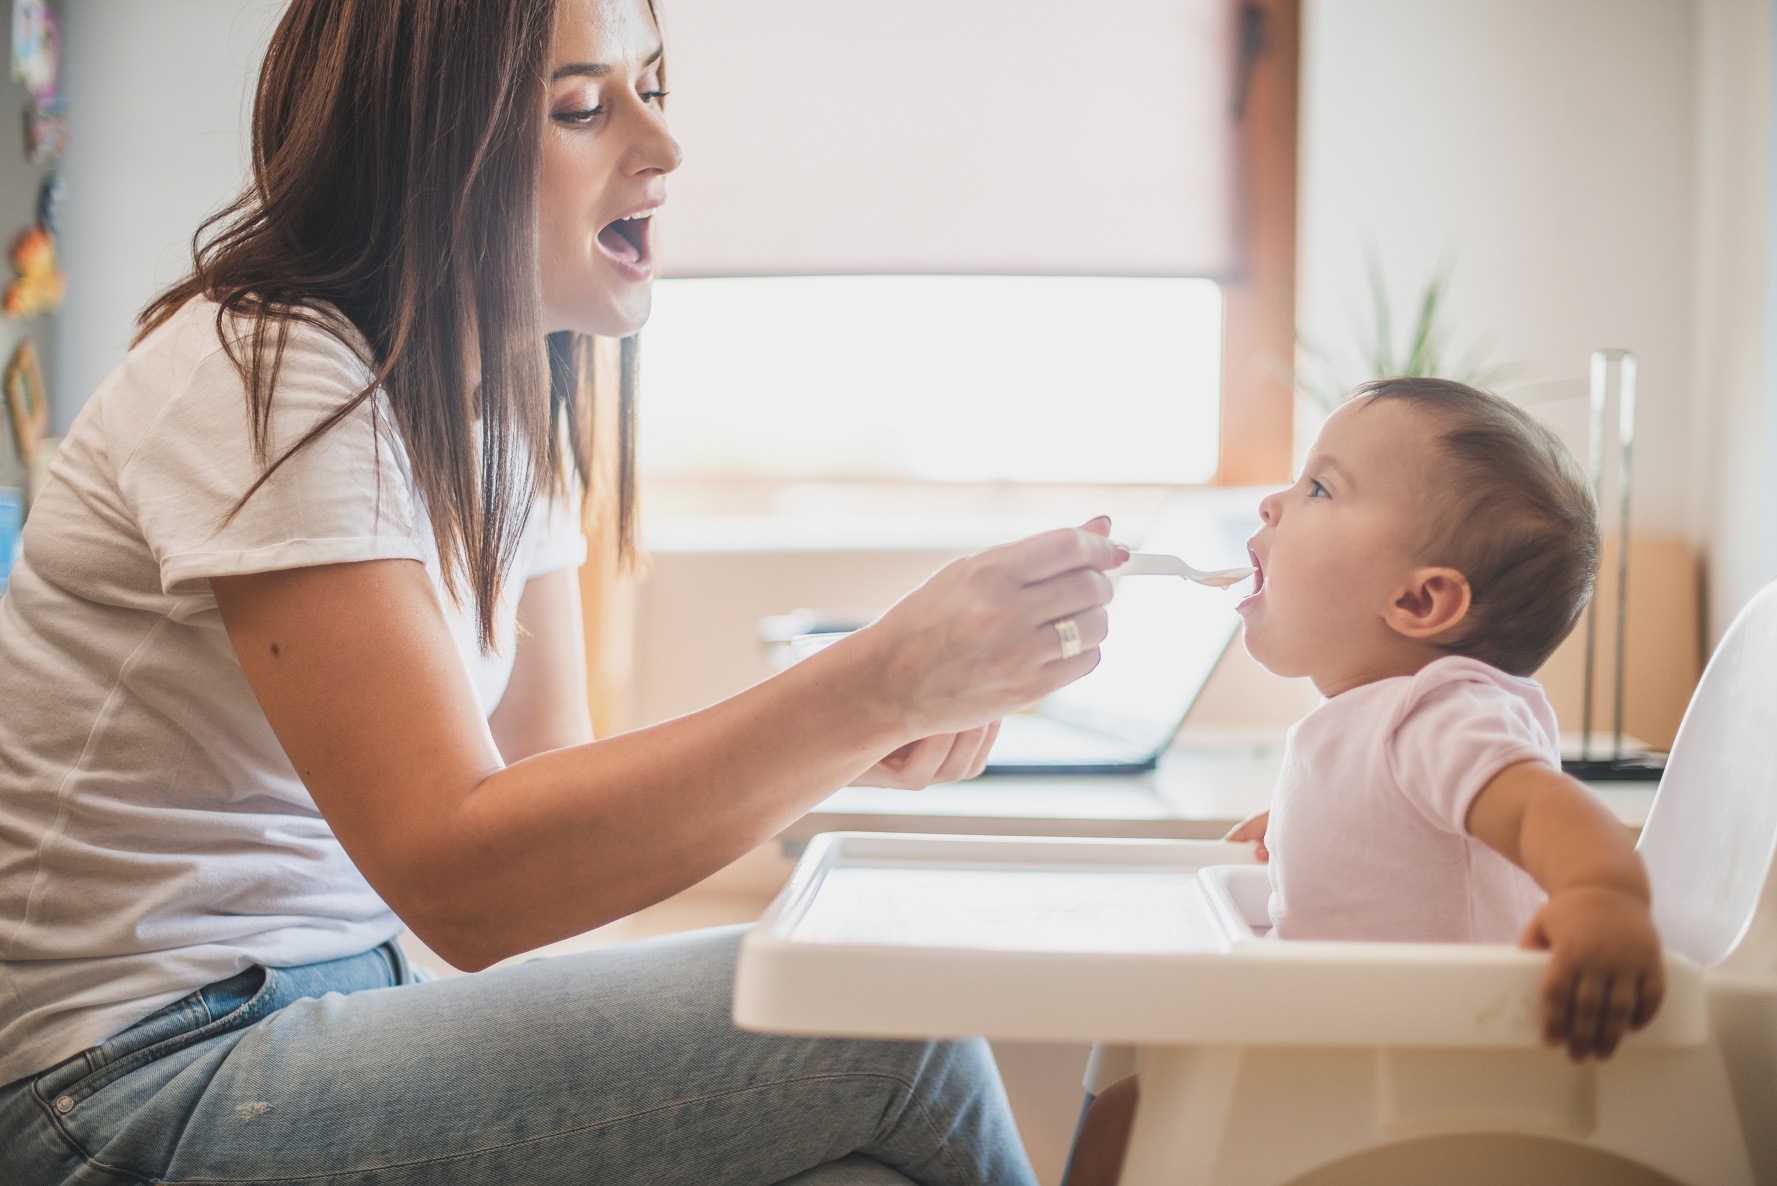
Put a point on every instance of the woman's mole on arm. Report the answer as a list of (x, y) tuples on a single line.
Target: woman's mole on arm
[(274, 650)]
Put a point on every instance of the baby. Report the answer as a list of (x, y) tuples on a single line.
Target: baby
[(1437, 548)]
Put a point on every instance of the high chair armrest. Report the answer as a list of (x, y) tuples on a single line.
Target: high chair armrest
[(1306, 993), (1120, 941)]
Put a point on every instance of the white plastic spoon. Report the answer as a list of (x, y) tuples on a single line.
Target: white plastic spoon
[(1158, 564)]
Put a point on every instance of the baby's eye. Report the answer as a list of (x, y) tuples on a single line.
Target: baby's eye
[(1316, 490)]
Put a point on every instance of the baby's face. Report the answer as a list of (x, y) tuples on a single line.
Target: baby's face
[(1338, 546)]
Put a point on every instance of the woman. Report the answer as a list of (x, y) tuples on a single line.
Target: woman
[(292, 661)]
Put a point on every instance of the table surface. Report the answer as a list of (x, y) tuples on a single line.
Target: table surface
[(1205, 784)]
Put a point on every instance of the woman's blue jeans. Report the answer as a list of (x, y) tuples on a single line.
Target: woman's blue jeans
[(613, 1067)]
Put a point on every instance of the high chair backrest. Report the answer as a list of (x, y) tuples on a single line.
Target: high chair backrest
[(1709, 839)]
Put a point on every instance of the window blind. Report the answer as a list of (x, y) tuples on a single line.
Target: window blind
[(963, 137)]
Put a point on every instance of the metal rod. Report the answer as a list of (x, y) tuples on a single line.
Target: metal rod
[(1595, 467), (1626, 436)]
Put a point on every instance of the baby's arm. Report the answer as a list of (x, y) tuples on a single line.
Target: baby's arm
[(1252, 828), (1605, 976)]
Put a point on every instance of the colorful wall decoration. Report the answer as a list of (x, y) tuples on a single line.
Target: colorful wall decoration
[(27, 403), (37, 283)]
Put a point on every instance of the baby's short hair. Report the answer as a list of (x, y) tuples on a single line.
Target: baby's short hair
[(1518, 520)]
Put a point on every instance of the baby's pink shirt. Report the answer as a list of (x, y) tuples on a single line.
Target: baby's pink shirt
[(1367, 832)]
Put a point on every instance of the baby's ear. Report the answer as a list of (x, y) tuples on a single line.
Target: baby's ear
[(1433, 601)]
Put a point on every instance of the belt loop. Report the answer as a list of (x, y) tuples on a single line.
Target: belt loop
[(397, 961)]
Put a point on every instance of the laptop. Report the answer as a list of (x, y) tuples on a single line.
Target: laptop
[(1166, 637)]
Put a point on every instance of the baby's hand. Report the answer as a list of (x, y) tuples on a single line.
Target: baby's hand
[(1253, 828), (1605, 976)]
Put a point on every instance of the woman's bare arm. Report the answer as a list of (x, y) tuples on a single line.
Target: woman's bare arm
[(356, 671), (545, 706)]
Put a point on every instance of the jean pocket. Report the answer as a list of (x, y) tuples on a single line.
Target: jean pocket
[(227, 1005)]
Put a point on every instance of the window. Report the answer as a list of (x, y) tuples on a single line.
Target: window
[(954, 379)]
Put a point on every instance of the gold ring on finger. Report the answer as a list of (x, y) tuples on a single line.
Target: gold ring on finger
[(1068, 631)]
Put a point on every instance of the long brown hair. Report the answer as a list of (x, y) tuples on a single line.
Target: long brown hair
[(396, 148)]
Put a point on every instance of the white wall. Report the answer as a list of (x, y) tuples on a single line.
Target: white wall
[(1546, 148), (1734, 455), (159, 95), (1594, 172)]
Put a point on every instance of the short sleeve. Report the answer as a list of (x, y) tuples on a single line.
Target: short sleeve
[(344, 497), (557, 541), (1463, 723)]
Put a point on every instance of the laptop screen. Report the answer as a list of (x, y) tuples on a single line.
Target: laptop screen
[(1166, 634)]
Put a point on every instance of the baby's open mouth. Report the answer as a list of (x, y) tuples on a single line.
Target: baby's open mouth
[(626, 239), (1258, 577)]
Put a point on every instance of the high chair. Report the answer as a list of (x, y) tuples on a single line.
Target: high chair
[(1266, 1061)]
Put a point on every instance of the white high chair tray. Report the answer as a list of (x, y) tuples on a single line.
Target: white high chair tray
[(1145, 941)]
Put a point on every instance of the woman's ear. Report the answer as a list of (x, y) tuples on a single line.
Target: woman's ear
[(1432, 602)]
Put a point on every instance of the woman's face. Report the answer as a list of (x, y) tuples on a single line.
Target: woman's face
[(606, 154)]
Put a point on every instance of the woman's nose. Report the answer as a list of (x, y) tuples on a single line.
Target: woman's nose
[(658, 152), (670, 154)]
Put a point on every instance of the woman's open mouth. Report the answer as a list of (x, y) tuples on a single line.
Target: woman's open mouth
[(625, 243)]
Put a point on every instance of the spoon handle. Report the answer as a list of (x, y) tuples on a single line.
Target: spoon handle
[(1159, 564), (1154, 564)]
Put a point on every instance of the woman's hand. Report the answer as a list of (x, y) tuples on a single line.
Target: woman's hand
[(356, 670), (948, 757), (980, 638)]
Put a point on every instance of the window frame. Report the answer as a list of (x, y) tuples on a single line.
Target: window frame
[(1255, 443), (1259, 302)]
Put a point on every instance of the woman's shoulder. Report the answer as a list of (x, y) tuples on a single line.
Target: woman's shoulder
[(201, 332), (191, 372), (182, 392)]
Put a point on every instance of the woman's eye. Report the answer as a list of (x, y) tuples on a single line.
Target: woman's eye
[(652, 96), (584, 116)]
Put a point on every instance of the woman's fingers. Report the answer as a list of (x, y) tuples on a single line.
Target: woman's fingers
[(980, 763), (958, 755), (1091, 625), (941, 758), (1042, 557), (929, 758), (1062, 672), (1067, 595), (979, 639)]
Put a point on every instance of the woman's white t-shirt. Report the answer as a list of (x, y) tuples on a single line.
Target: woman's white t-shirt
[(153, 836)]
